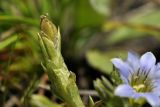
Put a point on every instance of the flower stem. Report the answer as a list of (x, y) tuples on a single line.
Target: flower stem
[(138, 103), (131, 101)]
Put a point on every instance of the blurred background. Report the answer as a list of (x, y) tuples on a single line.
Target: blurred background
[(93, 32)]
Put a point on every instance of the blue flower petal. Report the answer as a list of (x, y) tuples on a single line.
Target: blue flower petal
[(137, 96), (147, 61), (122, 67), (133, 60), (156, 73), (124, 90), (152, 99), (156, 88), (152, 72)]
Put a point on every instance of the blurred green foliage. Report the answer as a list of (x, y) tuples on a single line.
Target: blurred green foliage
[(94, 30)]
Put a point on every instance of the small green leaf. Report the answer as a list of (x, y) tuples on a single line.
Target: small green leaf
[(8, 41), (107, 84), (114, 102), (42, 101), (102, 60), (91, 102), (101, 6)]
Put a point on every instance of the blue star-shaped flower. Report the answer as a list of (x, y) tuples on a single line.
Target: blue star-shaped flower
[(141, 77)]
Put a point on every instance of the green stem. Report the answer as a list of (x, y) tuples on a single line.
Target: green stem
[(134, 103), (131, 102)]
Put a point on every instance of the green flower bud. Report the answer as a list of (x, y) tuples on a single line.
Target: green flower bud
[(63, 82)]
